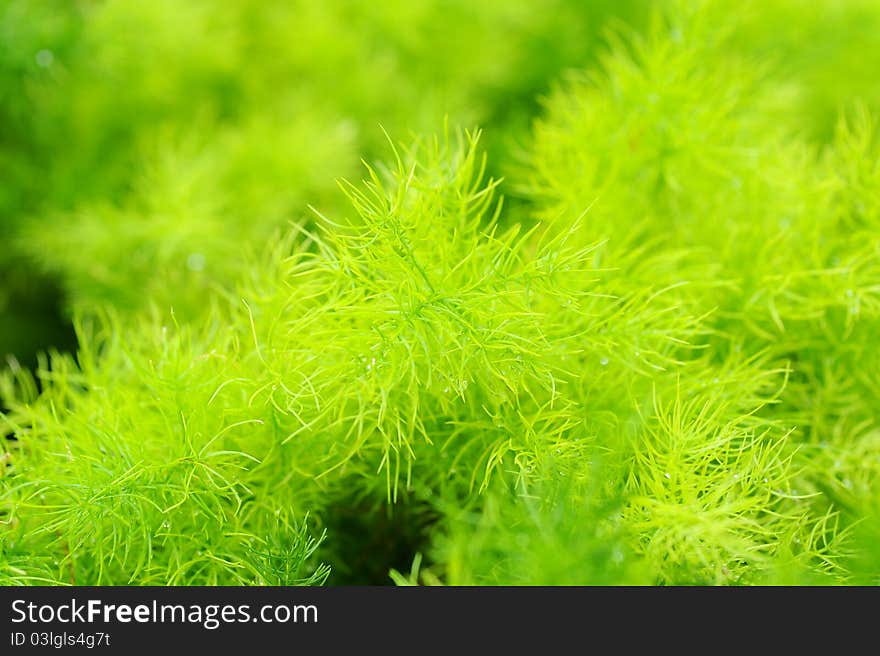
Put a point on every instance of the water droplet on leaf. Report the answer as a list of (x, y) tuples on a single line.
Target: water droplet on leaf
[(195, 262), (45, 58)]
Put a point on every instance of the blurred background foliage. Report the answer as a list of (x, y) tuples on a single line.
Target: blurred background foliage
[(145, 145), (148, 143)]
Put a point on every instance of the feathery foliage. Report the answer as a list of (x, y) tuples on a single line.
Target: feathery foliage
[(646, 355)]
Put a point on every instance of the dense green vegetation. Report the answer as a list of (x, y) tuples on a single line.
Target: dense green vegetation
[(440, 292)]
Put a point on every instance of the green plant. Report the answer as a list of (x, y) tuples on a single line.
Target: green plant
[(653, 363)]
